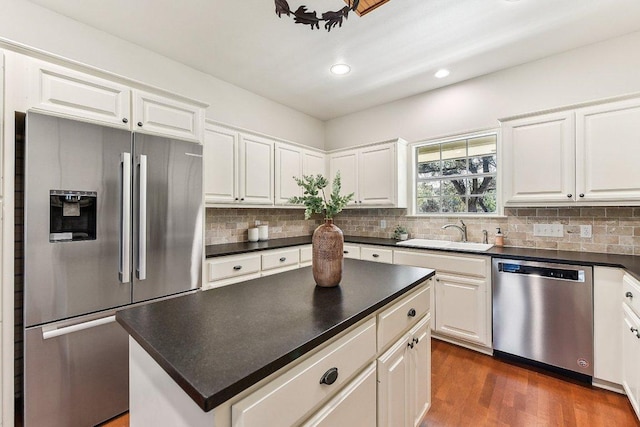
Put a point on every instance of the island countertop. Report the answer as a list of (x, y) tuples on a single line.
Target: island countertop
[(217, 343)]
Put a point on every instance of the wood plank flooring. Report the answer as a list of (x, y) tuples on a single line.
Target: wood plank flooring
[(472, 389)]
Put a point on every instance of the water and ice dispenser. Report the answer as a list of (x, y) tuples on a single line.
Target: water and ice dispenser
[(72, 215)]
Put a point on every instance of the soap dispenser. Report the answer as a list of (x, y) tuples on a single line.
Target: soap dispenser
[(499, 238)]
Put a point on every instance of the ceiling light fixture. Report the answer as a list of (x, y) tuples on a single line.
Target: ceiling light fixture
[(441, 74), (340, 69), (304, 17)]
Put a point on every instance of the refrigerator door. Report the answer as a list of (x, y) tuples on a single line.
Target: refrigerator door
[(168, 209), (76, 372), (73, 261)]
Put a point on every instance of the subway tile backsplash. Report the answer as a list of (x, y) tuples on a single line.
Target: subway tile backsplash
[(614, 229)]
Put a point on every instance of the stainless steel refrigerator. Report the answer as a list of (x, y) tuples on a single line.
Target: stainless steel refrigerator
[(112, 218)]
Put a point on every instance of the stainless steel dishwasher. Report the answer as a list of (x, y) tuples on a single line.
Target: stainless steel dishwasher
[(543, 312)]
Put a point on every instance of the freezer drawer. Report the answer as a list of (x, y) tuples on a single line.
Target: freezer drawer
[(76, 373)]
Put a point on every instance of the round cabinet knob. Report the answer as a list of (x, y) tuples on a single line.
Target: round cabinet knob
[(242, 199), (581, 195), (329, 377), (629, 295), (569, 195), (416, 340), (125, 120), (412, 313), (283, 259), (410, 345), (140, 124), (236, 199)]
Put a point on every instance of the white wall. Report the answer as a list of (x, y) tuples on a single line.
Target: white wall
[(602, 70), (34, 26)]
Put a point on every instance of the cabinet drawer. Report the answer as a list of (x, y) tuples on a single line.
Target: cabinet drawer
[(351, 251), (631, 293), (402, 315), (377, 254), (278, 259), (293, 394), (476, 266), (233, 266), (306, 254)]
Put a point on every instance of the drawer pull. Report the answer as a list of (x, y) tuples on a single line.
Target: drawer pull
[(283, 259), (329, 377), (237, 267), (345, 252), (629, 295), (412, 313), (375, 255)]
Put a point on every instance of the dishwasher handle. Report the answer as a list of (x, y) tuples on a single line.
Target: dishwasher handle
[(571, 274)]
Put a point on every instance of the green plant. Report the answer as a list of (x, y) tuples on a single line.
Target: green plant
[(315, 199), (399, 230)]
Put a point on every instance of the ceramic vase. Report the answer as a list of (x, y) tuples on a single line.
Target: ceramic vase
[(328, 247)]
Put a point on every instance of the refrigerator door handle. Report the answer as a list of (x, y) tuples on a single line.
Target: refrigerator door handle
[(125, 218), (142, 220), (56, 332)]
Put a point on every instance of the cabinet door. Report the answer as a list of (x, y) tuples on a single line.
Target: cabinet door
[(631, 357), (607, 344), (78, 95), (538, 164), (220, 165), (256, 170), (347, 163), (355, 405), (377, 177), (288, 165), (314, 163), (607, 138), (167, 117), (393, 385), (420, 372), (461, 308)]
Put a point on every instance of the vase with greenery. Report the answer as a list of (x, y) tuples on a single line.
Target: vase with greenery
[(327, 241), (400, 233)]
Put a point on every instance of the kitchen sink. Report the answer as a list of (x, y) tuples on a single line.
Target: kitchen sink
[(444, 244)]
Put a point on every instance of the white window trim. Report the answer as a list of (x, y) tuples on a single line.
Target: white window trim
[(499, 213)]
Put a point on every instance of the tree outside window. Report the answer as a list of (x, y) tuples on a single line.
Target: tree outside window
[(457, 176)]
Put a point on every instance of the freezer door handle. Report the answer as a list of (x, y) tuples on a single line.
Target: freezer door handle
[(56, 332), (125, 217), (142, 219)]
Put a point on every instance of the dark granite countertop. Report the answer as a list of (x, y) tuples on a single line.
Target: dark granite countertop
[(217, 343), (631, 263)]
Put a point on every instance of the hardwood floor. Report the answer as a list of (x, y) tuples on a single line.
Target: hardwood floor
[(472, 389)]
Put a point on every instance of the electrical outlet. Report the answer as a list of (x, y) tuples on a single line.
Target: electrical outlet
[(585, 231), (383, 223)]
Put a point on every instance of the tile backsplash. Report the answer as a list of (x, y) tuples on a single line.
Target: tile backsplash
[(614, 229)]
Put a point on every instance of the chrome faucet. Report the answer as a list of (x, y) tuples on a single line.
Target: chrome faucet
[(485, 237), (463, 229)]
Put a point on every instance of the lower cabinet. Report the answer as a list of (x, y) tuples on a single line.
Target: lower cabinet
[(631, 342), (404, 390)]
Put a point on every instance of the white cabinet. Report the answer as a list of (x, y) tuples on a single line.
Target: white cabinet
[(376, 174), (351, 251), (608, 137), (631, 357), (568, 157), (225, 270), (238, 167), (164, 116), (279, 260), (538, 163), (59, 90), (376, 254), (78, 95), (462, 295), (291, 161), (607, 344), (404, 392)]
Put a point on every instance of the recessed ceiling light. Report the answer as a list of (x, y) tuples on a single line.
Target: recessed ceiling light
[(441, 74), (340, 69)]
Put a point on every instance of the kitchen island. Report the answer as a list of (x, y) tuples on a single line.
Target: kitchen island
[(280, 351)]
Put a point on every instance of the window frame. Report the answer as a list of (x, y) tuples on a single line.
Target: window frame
[(413, 171)]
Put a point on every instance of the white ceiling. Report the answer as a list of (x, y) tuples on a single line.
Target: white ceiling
[(393, 51)]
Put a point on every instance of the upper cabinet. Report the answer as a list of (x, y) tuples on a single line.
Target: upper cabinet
[(567, 158), (66, 92), (238, 167), (376, 174), (292, 160)]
